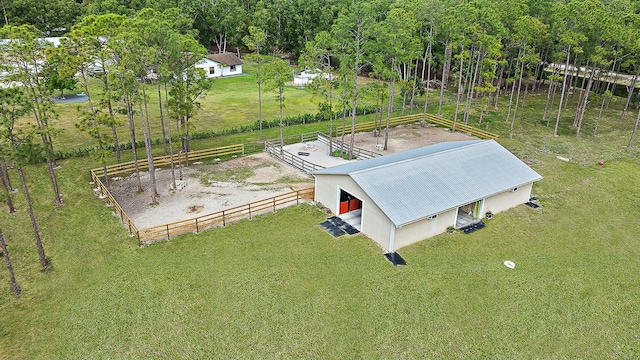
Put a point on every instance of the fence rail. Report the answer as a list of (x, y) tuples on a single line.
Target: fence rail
[(195, 224), (272, 147), (357, 151), (221, 218), (166, 159), (409, 119), (292, 159), (102, 190)]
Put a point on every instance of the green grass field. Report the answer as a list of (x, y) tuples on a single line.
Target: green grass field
[(278, 286), (232, 102)]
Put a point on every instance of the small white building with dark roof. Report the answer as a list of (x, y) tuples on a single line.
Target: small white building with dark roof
[(402, 198), (219, 65)]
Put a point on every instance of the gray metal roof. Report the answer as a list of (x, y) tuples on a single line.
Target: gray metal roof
[(415, 184)]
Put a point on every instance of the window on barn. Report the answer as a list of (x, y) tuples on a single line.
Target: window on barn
[(212, 70), (233, 68)]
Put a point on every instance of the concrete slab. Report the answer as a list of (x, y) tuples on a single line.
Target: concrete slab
[(316, 153)]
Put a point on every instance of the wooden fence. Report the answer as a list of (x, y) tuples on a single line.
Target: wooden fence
[(195, 224), (272, 147), (358, 152), (410, 119), (158, 161), (221, 218), (104, 193), (291, 159)]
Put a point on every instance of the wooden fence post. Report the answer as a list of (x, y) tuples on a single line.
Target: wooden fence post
[(224, 223), (249, 211), (197, 230), (168, 236), (274, 204)]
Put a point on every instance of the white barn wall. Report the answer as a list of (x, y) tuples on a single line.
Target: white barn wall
[(325, 191), (375, 224), (508, 199), (423, 229)]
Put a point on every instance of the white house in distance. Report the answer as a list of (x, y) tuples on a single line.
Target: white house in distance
[(220, 65), (402, 198), (306, 77)]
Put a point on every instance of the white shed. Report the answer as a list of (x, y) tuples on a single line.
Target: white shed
[(306, 77), (220, 65), (402, 198)]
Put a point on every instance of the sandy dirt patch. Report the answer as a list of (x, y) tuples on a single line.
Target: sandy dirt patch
[(211, 188), (407, 137)]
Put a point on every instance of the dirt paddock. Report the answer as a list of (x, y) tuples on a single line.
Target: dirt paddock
[(211, 188)]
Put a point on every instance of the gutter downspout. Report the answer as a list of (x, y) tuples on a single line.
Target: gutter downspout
[(392, 236)]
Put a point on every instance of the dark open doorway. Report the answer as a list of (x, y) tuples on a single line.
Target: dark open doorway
[(350, 209)]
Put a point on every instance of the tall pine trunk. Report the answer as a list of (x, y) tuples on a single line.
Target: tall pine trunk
[(15, 288), (344, 126), (114, 132), (171, 160), (390, 104), (146, 130), (513, 86), (354, 106), (616, 70), (564, 87), (584, 103), (260, 95), (553, 98), (471, 90), (498, 84), (97, 134), (595, 129), (330, 114), (549, 90), (629, 96), (164, 135), (445, 74), (460, 89), (36, 91), (413, 87), (428, 83), (280, 99), (515, 108), (132, 132), (6, 186), (633, 133), (44, 263)]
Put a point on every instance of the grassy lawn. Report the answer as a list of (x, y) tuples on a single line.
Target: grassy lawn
[(232, 102), (278, 286)]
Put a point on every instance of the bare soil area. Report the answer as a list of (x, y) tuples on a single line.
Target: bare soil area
[(211, 188), (407, 137)]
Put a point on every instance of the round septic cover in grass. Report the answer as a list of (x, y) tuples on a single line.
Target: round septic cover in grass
[(510, 264)]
